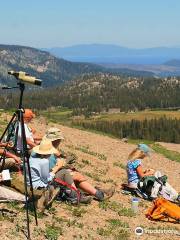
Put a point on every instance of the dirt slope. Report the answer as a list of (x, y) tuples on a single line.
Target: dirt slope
[(102, 160)]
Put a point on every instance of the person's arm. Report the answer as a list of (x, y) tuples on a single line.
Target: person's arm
[(37, 138), (60, 163), (11, 155), (142, 173), (6, 144), (30, 143)]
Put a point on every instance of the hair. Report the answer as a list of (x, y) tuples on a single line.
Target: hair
[(135, 154)]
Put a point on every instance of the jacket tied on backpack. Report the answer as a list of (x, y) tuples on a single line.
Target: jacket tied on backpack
[(164, 210)]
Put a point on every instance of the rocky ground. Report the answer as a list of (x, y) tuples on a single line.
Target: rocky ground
[(102, 159)]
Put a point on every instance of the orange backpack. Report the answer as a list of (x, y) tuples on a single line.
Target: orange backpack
[(164, 210)]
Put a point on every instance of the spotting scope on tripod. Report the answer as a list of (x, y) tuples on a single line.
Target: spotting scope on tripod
[(22, 78), (25, 77)]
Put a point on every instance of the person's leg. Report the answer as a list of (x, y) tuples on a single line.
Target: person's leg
[(9, 195), (82, 183), (100, 194), (9, 163), (17, 182), (64, 175)]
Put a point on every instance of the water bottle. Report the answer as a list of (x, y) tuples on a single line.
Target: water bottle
[(134, 205)]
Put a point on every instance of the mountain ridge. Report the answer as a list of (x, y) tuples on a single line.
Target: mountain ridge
[(52, 70), (109, 53)]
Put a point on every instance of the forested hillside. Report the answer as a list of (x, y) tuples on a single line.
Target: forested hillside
[(101, 92), (52, 70)]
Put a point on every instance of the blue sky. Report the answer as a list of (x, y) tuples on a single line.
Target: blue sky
[(58, 23)]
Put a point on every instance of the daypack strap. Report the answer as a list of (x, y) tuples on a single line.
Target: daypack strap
[(58, 180)]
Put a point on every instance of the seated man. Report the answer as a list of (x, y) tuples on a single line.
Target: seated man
[(55, 135), (31, 138)]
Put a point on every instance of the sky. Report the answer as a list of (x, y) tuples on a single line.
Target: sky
[(60, 23)]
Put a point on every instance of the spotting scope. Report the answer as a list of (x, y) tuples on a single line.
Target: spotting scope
[(25, 77)]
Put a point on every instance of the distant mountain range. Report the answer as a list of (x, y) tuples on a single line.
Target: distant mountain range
[(52, 70), (113, 54)]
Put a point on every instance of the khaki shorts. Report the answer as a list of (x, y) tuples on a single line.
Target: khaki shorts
[(70, 176), (17, 182), (9, 163)]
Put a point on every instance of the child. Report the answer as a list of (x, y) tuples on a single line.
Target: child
[(134, 166), (135, 173)]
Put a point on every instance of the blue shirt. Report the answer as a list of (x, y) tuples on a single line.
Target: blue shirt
[(40, 172), (131, 170), (52, 159)]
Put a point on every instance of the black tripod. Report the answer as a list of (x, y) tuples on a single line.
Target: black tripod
[(18, 116)]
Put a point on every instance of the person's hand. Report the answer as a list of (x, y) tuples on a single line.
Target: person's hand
[(58, 154), (60, 163), (71, 158), (10, 144), (150, 171), (18, 160)]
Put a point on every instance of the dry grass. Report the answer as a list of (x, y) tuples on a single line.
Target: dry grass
[(111, 219)]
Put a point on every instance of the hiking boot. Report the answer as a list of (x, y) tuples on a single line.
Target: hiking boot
[(53, 193), (42, 201), (104, 194), (85, 199)]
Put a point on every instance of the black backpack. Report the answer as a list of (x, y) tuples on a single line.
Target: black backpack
[(146, 184), (67, 192)]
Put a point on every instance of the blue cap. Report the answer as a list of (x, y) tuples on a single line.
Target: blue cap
[(143, 147)]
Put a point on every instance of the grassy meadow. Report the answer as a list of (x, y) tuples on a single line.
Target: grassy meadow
[(64, 115)]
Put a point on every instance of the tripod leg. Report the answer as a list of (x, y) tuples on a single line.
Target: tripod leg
[(2, 157), (12, 119), (26, 169)]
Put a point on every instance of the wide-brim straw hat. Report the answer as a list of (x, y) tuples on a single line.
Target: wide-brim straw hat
[(53, 134), (45, 148)]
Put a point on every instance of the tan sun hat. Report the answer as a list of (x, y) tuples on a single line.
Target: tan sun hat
[(45, 147), (53, 134)]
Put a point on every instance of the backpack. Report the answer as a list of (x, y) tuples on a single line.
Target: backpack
[(67, 192), (146, 184), (164, 210)]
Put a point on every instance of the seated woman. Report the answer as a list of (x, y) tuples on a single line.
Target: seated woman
[(55, 136), (135, 173)]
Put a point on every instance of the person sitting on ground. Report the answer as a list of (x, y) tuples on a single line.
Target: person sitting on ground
[(9, 160), (134, 166), (31, 138), (55, 136), (135, 173)]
